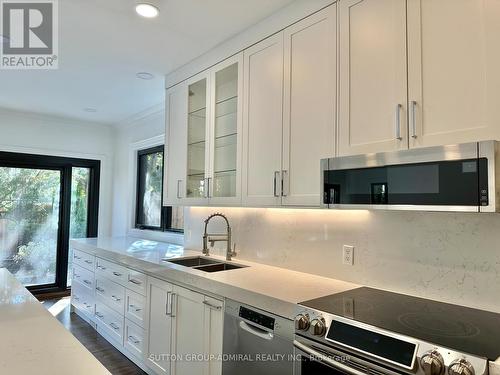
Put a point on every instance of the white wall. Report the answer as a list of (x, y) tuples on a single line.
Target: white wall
[(146, 130), (453, 257), (56, 136)]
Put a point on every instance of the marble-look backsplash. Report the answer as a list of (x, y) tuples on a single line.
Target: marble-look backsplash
[(452, 257)]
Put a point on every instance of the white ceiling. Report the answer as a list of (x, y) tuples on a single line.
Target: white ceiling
[(103, 44)]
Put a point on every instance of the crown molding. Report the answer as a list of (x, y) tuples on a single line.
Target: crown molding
[(140, 116)]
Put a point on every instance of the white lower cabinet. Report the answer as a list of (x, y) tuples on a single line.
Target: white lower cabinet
[(185, 326), (162, 327)]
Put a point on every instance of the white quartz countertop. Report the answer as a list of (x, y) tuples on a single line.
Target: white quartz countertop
[(273, 289), (33, 341)]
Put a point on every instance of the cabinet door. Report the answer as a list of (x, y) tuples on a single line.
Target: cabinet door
[(214, 325), (454, 79), (372, 76), (224, 184), (160, 326), (188, 331), (175, 141), (263, 122), (309, 105), (198, 135)]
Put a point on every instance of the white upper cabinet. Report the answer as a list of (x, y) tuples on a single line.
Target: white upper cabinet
[(309, 108), (372, 76), (454, 75), (224, 181), (263, 122), (175, 144)]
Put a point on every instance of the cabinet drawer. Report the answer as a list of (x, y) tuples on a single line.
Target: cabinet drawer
[(111, 270), (111, 320), (137, 282), (83, 259), (82, 299), (135, 307), (84, 277), (134, 339), (110, 293)]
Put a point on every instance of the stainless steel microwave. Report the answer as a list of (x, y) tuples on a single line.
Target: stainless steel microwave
[(460, 177)]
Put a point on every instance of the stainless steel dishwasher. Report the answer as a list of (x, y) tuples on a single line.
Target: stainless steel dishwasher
[(256, 342)]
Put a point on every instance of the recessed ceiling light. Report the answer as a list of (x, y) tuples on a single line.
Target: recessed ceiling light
[(90, 110), (144, 75), (147, 10)]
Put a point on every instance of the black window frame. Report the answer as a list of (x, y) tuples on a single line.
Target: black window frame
[(65, 165), (166, 211)]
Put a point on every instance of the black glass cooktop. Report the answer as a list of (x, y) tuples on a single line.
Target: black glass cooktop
[(456, 327)]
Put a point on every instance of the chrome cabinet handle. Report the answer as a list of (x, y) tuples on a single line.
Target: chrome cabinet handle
[(207, 187), (413, 119), (114, 326), (275, 181), (76, 256), (134, 340), (99, 315), (179, 189), (117, 274), (284, 183), (167, 304), (137, 309), (87, 282), (208, 304), (134, 281), (76, 275), (76, 298), (99, 289), (88, 261), (101, 267), (398, 122), (115, 298)]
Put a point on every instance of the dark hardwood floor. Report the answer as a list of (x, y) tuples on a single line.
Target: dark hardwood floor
[(111, 358)]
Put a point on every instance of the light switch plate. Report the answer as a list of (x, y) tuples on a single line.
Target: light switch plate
[(348, 255)]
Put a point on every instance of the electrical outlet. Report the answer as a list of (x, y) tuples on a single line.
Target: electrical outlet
[(348, 255)]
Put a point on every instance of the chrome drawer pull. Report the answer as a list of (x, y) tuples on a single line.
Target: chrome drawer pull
[(115, 298), (134, 340), (101, 267), (77, 257), (99, 289), (99, 315), (114, 326), (208, 304), (88, 261), (134, 281), (87, 282), (76, 275), (117, 274), (76, 298), (138, 309)]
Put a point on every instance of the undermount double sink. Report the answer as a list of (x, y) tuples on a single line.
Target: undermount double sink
[(205, 264)]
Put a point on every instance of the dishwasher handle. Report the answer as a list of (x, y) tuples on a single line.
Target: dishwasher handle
[(256, 331)]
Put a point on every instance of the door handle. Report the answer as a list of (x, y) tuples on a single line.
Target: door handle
[(275, 182), (256, 331), (414, 119), (167, 304), (179, 189), (398, 122), (173, 297)]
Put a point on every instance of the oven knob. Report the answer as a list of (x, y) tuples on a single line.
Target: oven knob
[(318, 327), (432, 363), (302, 322), (460, 367)]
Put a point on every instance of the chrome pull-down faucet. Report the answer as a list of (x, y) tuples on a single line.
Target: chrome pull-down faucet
[(212, 238)]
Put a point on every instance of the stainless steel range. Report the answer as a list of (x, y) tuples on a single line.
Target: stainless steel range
[(369, 331)]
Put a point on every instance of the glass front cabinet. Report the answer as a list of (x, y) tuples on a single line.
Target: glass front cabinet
[(203, 137)]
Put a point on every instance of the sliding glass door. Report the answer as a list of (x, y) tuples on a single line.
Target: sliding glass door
[(45, 201)]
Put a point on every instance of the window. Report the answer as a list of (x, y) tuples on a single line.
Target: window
[(150, 213), (45, 201)]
